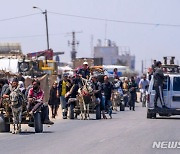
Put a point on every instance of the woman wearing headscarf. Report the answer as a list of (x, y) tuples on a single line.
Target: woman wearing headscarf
[(54, 100), (22, 87)]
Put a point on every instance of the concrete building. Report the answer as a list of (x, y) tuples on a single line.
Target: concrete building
[(127, 60), (109, 54), (112, 56), (10, 50)]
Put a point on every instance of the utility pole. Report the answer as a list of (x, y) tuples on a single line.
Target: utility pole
[(73, 44), (142, 67), (47, 33), (46, 20)]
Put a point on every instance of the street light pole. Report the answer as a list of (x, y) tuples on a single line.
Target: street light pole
[(47, 33), (46, 20)]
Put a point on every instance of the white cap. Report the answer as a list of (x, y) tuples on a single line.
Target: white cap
[(85, 63)]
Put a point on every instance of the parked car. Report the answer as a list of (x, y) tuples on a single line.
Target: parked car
[(171, 92)]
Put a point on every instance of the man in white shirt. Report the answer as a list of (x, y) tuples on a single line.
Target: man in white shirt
[(143, 84)]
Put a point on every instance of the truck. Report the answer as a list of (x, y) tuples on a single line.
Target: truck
[(30, 65)]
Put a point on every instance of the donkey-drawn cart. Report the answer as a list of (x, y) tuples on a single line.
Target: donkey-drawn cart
[(84, 105), (85, 102), (8, 117)]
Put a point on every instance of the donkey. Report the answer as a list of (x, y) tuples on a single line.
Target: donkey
[(16, 103), (116, 99), (116, 95), (85, 93)]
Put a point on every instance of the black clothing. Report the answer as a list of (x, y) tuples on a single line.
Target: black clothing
[(107, 89), (84, 72), (150, 76), (54, 109), (21, 79), (158, 94), (158, 86), (74, 91), (158, 77), (132, 100), (7, 91), (60, 87), (132, 89), (154, 67), (98, 87), (76, 80), (132, 86), (53, 99), (3, 90)]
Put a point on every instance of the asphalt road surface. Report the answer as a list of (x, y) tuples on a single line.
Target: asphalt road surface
[(129, 132)]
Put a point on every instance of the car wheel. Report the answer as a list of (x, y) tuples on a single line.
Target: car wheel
[(122, 106)]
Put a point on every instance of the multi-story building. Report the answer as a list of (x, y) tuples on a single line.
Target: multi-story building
[(111, 55)]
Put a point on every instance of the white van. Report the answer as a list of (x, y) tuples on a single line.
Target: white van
[(171, 91)]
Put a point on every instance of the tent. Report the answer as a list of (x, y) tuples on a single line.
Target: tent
[(9, 65)]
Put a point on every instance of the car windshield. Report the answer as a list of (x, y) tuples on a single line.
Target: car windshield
[(176, 84)]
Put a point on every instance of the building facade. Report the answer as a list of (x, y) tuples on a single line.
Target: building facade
[(111, 56)]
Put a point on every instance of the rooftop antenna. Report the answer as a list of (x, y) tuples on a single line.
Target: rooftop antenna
[(172, 60), (73, 44)]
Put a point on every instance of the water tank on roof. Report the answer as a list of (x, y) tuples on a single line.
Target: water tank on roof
[(108, 43)]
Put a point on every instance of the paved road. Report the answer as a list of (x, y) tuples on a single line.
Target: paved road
[(128, 132)]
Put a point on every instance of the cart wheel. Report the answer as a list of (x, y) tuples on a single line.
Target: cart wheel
[(37, 123), (122, 106), (71, 111), (98, 112)]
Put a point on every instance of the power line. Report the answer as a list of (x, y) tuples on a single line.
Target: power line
[(95, 18), (29, 36), (24, 16), (118, 21)]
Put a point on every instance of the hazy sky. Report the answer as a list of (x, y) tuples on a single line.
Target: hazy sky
[(145, 41)]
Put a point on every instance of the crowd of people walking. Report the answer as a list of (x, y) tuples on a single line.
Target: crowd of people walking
[(67, 87)]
